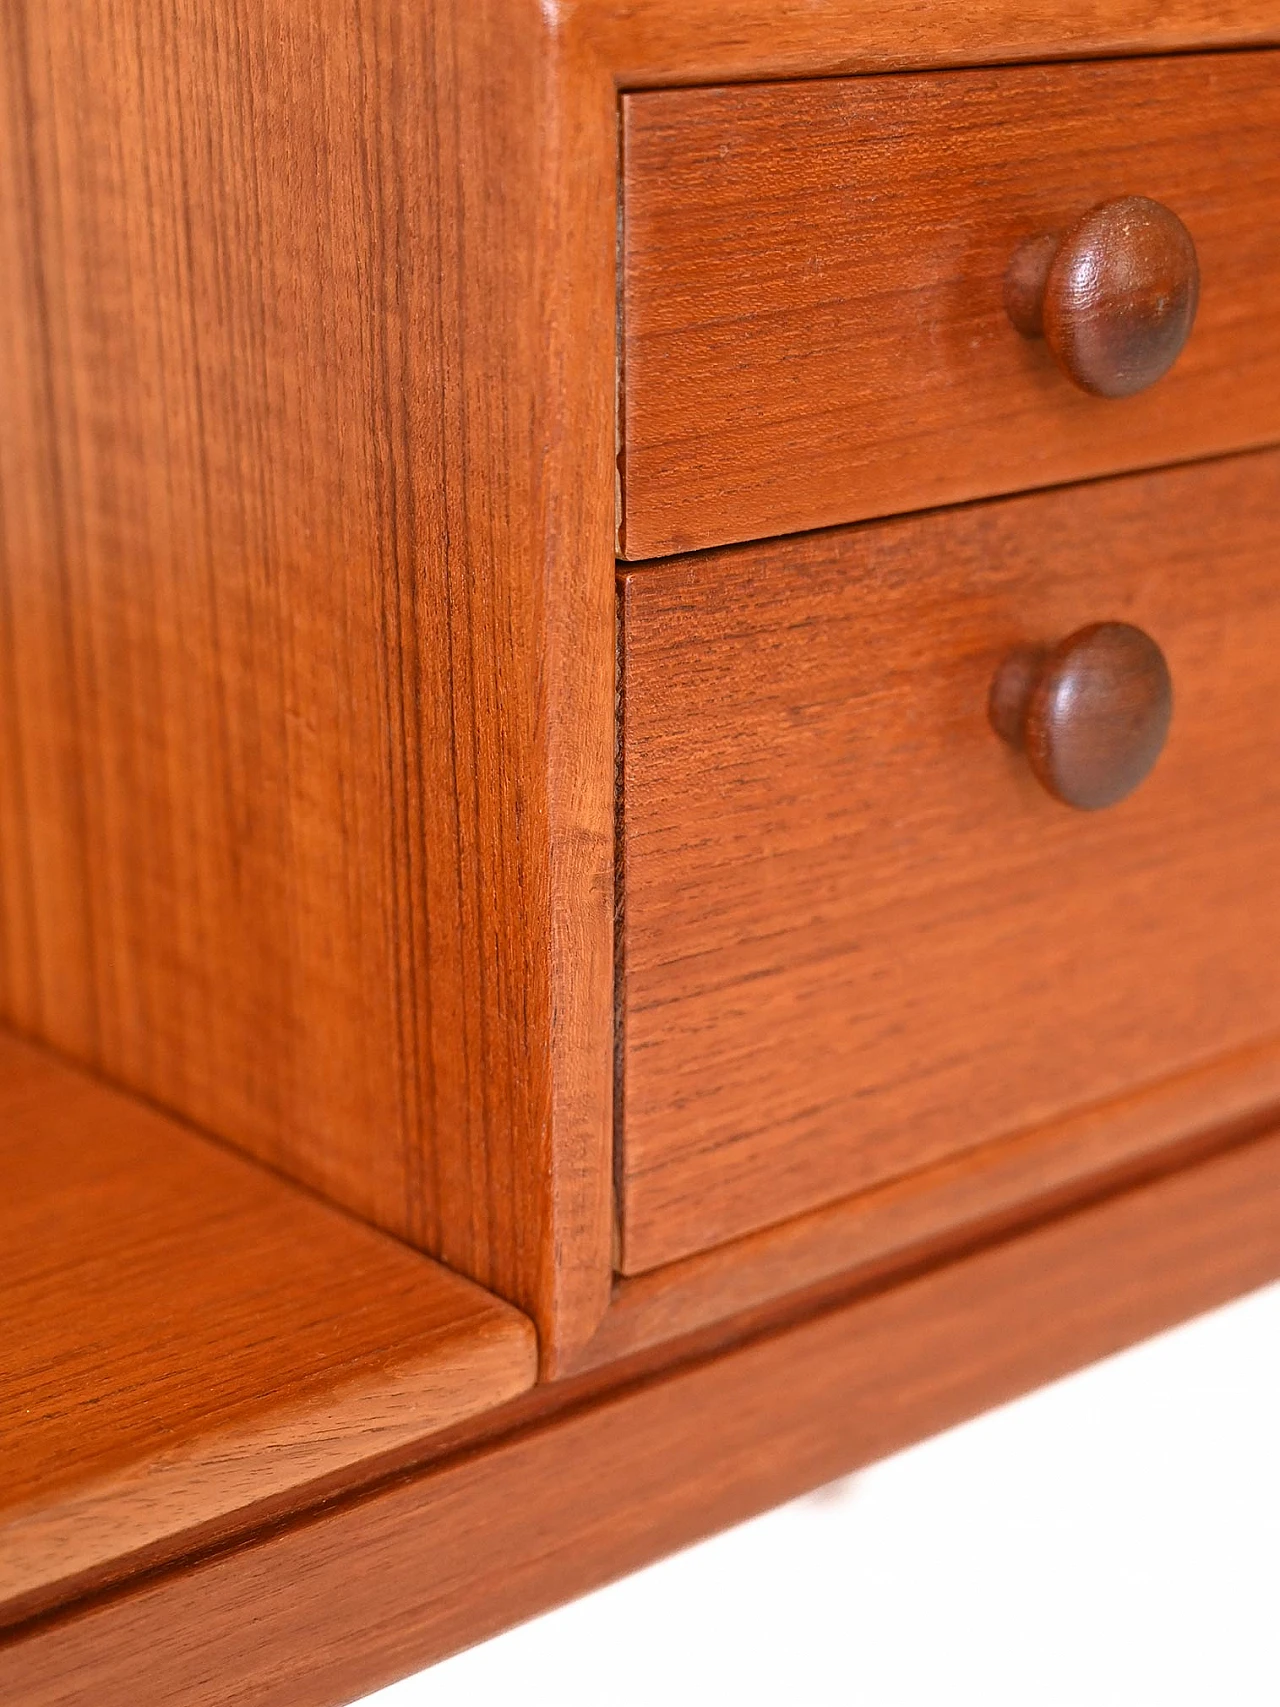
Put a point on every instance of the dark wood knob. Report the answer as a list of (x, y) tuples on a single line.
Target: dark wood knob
[(1114, 296), (1091, 713)]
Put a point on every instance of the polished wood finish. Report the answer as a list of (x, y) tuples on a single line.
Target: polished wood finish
[(258, 389), (1092, 713), (1114, 297), (378, 1586), (814, 327), (1009, 1183), (857, 936), (306, 792), (653, 43), (189, 1340), (307, 675)]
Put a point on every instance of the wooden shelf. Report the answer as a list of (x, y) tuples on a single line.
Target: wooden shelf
[(189, 1343), (332, 1604)]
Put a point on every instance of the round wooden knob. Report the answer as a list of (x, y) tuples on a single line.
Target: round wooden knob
[(1091, 714), (1114, 296)]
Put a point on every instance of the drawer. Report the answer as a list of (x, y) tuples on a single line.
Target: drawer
[(857, 935), (814, 323)]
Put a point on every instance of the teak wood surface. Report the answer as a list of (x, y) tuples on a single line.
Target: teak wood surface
[(857, 935), (305, 767), (306, 556), (307, 514), (396, 1579), (814, 327), (187, 1341), (1004, 1186)]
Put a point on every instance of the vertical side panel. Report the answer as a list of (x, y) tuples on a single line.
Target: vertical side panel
[(300, 628)]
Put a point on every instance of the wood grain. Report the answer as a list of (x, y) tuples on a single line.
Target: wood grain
[(814, 327), (857, 935), (306, 746), (187, 1338), (653, 43), (306, 606), (1006, 1185), (374, 1588), (306, 619)]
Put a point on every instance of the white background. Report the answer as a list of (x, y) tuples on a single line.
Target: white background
[(1111, 1541)]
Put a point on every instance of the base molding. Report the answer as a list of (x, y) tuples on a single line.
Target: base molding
[(368, 1589)]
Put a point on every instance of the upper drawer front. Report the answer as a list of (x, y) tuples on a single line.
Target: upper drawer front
[(857, 935), (814, 328)]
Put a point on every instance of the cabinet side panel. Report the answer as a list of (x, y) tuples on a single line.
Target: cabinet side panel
[(275, 828)]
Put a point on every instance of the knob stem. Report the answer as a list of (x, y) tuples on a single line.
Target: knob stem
[(1011, 690), (1026, 281)]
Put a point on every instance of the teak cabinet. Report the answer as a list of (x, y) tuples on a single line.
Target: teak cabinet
[(638, 663)]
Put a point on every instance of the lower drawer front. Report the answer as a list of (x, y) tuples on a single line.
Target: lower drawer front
[(858, 936)]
